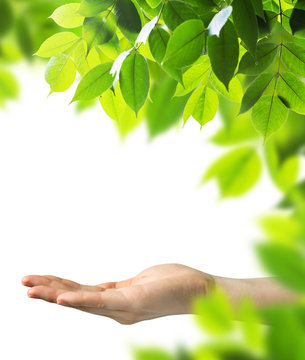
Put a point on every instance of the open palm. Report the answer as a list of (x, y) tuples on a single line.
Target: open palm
[(157, 291)]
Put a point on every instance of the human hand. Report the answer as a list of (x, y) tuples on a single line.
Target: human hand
[(158, 291)]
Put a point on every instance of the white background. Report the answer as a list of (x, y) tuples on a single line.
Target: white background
[(78, 203)]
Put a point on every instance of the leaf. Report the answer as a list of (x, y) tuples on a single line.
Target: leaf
[(284, 262), (235, 91), (175, 13), (185, 45), (128, 19), (255, 91), (297, 18), (24, 37), (258, 8), (134, 80), (268, 115), (219, 21), (157, 41), (153, 3), (245, 22), (198, 73), (89, 8), (151, 353), (79, 56), (116, 67), (236, 172), (214, 312), (57, 44), (223, 52), (265, 55), (292, 90), (6, 17), (116, 108), (293, 56), (60, 73), (266, 24), (202, 105), (99, 29), (164, 110), (9, 88), (94, 83), (67, 16)]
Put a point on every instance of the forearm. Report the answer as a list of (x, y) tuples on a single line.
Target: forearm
[(263, 291)]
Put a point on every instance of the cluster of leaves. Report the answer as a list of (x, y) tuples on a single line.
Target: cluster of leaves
[(163, 60), (24, 24)]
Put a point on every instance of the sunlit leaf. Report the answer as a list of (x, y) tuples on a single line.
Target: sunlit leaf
[(57, 44), (158, 40), (67, 16), (90, 8), (293, 57)]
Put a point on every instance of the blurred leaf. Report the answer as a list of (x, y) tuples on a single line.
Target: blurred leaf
[(6, 17), (89, 8), (214, 313), (284, 262), (9, 88), (151, 354), (24, 37), (236, 172)]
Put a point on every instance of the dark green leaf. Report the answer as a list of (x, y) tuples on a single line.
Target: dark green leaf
[(158, 40), (265, 55), (255, 91), (128, 18), (176, 12), (266, 25), (258, 8), (297, 18), (246, 23), (134, 80), (6, 17), (24, 37), (223, 52)]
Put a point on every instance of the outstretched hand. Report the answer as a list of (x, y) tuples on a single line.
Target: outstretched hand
[(157, 291)]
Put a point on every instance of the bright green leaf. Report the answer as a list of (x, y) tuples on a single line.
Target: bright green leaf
[(235, 92), (157, 41), (94, 83), (67, 16), (293, 56), (57, 44), (60, 73), (90, 8), (186, 44)]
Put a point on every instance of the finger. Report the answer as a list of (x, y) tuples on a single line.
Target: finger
[(45, 293), (109, 299), (35, 280)]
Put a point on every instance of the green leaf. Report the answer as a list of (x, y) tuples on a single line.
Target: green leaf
[(235, 91), (90, 8), (128, 18), (214, 312), (9, 88), (6, 17), (284, 262), (195, 75), (245, 22), (150, 353), (164, 110), (134, 80), (24, 37), (98, 29), (202, 105), (60, 73), (297, 18), (94, 83), (266, 25), (258, 8), (57, 44), (157, 41), (255, 91), (153, 3), (223, 52), (186, 44), (67, 16), (292, 90), (116, 108), (236, 172), (175, 13), (265, 55), (268, 115), (293, 56), (79, 56)]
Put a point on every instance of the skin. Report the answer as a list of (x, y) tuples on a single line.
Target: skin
[(161, 290)]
